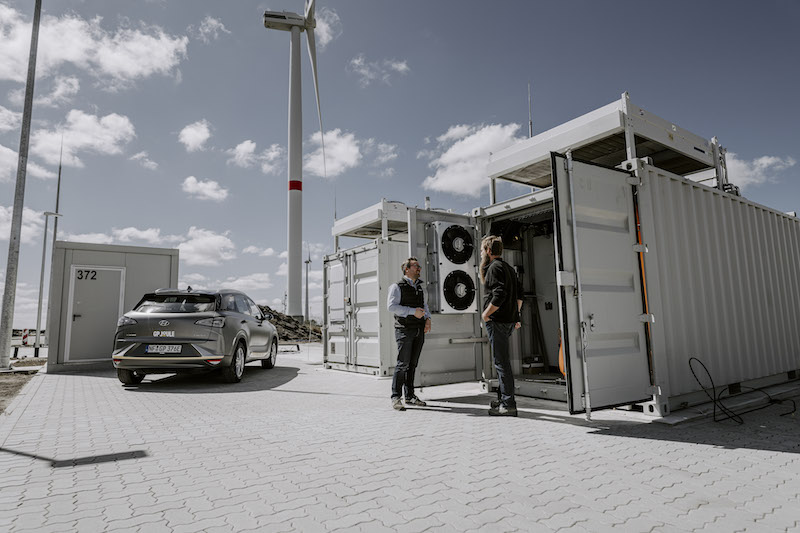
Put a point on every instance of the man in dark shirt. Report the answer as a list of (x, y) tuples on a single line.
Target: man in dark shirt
[(412, 320), (501, 316)]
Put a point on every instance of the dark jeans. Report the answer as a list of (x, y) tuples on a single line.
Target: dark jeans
[(409, 346), (499, 332)]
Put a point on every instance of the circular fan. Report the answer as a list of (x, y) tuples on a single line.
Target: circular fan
[(459, 290), (457, 244)]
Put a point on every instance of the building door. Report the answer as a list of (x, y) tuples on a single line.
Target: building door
[(96, 296), (599, 277)]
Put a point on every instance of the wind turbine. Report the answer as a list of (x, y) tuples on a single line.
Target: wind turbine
[(294, 23)]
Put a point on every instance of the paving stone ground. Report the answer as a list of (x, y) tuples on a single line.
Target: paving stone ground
[(301, 448)]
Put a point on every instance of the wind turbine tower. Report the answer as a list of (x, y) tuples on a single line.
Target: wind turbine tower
[(295, 24)]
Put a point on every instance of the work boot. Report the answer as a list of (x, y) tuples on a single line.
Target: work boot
[(495, 404), (502, 410), (397, 404), (416, 402)]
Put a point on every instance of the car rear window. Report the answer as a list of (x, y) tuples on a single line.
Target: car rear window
[(183, 303)]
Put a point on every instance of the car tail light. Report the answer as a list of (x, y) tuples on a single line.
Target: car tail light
[(117, 360), (216, 322), (125, 321), (214, 361)]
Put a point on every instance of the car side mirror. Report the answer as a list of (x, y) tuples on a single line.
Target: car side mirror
[(269, 316)]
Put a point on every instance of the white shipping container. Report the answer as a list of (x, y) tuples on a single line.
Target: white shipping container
[(628, 265)]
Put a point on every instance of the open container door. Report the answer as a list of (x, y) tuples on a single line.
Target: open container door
[(599, 277)]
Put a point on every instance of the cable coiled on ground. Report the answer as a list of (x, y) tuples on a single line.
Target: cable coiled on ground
[(729, 413)]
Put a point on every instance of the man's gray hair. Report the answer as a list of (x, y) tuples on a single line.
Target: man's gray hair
[(405, 265)]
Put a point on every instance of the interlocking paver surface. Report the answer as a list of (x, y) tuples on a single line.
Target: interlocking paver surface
[(301, 448)]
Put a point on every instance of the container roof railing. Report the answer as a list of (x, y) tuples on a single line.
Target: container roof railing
[(602, 136), (384, 219)]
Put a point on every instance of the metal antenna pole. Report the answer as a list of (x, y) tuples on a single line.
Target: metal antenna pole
[(9, 295), (38, 344), (307, 262), (530, 117), (530, 120), (58, 198)]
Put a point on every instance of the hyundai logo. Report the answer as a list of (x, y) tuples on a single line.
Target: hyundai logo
[(164, 323)]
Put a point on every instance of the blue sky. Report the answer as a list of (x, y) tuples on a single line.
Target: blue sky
[(174, 114)]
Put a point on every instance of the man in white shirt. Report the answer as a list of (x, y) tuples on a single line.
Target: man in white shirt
[(412, 320)]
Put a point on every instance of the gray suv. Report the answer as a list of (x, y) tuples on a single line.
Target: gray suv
[(173, 330)]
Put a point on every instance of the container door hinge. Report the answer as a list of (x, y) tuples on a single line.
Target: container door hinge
[(634, 180), (655, 390), (565, 278), (647, 318), (583, 401), (640, 248)]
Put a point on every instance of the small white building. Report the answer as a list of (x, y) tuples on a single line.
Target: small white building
[(91, 286)]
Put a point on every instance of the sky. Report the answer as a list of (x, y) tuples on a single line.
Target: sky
[(173, 114)]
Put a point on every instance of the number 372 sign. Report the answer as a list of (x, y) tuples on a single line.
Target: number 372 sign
[(90, 275)]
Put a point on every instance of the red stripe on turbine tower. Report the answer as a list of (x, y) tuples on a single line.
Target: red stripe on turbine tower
[(295, 185)]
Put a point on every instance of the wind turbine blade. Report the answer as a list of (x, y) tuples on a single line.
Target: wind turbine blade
[(312, 54), (309, 10)]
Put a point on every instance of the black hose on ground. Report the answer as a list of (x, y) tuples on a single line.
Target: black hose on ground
[(717, 401)]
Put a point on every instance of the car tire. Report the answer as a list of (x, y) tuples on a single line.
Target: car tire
[(129, 377), (234, 372), (269, 362)]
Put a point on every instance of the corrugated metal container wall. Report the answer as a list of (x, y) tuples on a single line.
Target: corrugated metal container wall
[(723, 276)]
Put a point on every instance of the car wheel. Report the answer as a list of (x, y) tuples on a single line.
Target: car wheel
[(233, 373), (269, 362), (129, 377)]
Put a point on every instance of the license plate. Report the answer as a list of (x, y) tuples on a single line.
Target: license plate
[(163, 348)]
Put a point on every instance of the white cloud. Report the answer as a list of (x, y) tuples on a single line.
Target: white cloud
[(195, 135), (460, 167), (455, 133), (244, 155), (342, 152), (757, 171), (207, 248), (283, 255), (329, 27), (376, 71), (204, 190), (144, 160), (9, 120), (195, 277), (247, 283), (265, 252), (271, 159), (32, 224), (83, 133), (116, 59), (151, 236), (283, 270), (317, 249), (96, 238), (9, 159), (64, 88), (209, 30), (386, 153)]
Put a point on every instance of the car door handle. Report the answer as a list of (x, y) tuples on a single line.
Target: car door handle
[(244, 321), (75, 316)]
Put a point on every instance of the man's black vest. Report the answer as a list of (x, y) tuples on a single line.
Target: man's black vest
[(410, 296)]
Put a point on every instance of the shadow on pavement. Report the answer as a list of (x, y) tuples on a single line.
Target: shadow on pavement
[(88, 460), (763, 430), (255, 379)]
